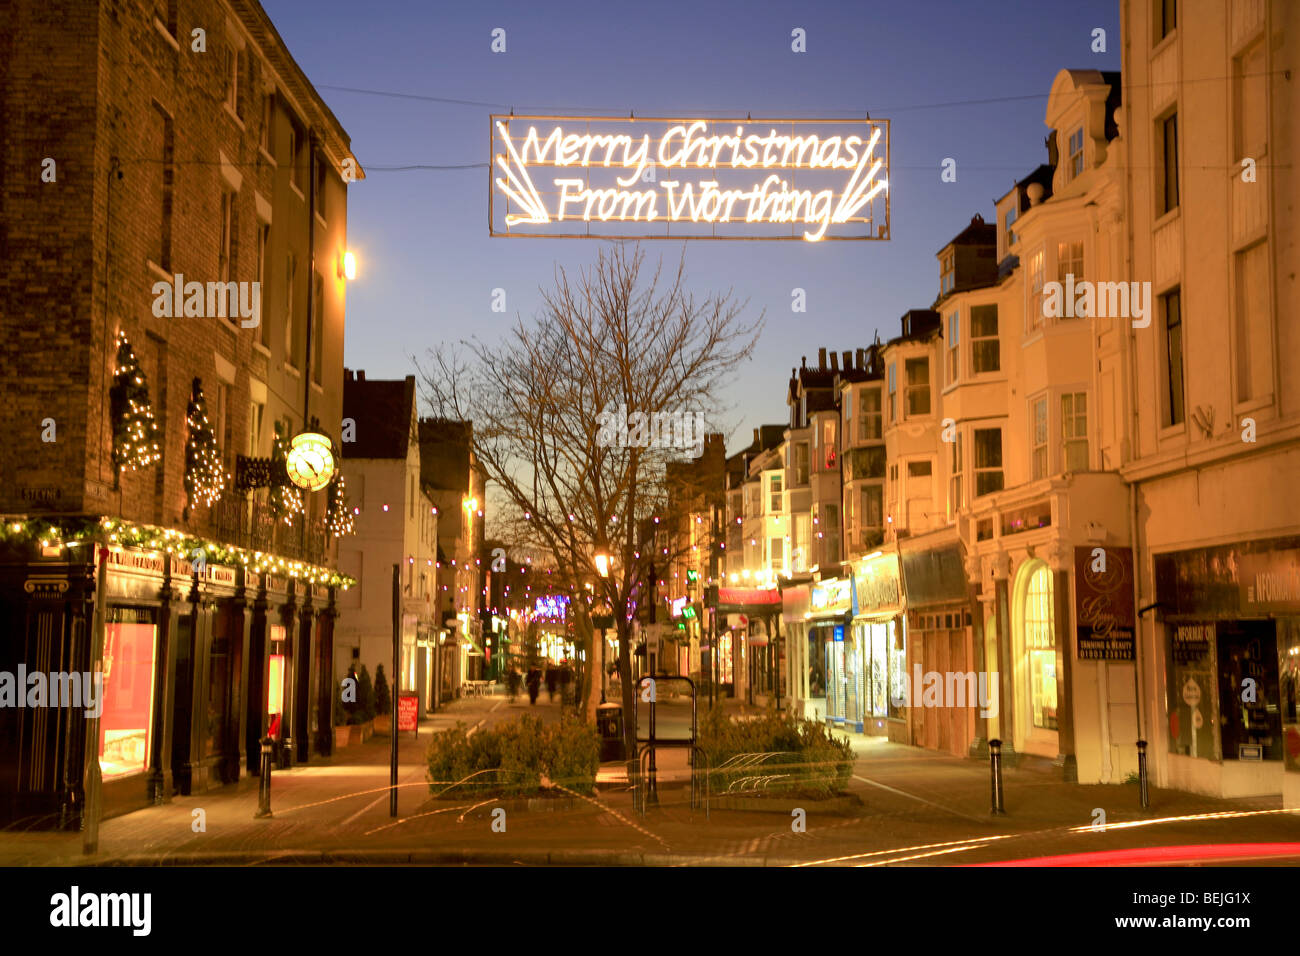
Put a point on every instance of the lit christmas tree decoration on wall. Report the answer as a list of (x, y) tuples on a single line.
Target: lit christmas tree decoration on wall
[(286, 500), (205, 475), (135, 433), (338, 518)]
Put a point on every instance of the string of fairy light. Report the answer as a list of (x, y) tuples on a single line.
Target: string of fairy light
[(135, 432), (205, 475), (286, 500), (338, 518), (72, 533), (136, 446)]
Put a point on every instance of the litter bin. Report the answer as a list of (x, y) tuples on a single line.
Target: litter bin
[(609, 724)]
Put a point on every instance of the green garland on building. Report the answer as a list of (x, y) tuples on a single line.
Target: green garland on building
[(76, 532)]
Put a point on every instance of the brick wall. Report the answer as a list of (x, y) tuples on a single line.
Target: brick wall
[(90, 85)]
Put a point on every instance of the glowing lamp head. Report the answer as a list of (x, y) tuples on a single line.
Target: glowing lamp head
[(310, 460)]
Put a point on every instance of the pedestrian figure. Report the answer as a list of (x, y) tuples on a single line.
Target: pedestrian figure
[(566, 678), (512, 682), (534, 682), (552, 679)]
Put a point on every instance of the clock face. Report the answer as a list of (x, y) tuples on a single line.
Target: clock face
[(310, 461)]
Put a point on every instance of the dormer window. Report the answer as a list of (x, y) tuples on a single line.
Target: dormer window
[(1006, 225), (1075, 164), (947, 274)]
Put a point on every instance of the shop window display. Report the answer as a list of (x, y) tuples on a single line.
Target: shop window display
[(1040, 646), (1248, 708), (1191, 691), (125, 724)]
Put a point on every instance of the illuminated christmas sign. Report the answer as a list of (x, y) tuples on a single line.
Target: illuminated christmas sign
[(590, 177), (553, 606)]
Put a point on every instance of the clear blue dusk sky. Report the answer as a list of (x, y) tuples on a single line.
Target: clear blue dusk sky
[(428, 266)]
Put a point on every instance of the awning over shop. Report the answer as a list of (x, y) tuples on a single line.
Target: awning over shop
[(937, 576), (796, 603)]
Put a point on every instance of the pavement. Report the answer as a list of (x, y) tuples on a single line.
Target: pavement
[(904, 806)]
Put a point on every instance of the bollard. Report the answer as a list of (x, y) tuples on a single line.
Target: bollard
[(995, 769), (264, 786), (1142, 773)]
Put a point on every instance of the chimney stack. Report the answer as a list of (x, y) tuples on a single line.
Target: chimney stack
[(361, 375), (848, 360), (804, 361), (835, 361), (862, 359), (821, 358), (755, 436)]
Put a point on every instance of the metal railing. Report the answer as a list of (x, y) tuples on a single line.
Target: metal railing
[(254, 525)]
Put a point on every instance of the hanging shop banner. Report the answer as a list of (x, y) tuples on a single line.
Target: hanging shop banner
[(612, 177), (877, 584), (1103, 603), (832, 597)]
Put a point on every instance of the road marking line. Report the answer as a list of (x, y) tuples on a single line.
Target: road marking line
[(911, 796), (906, 849), (921, 856)]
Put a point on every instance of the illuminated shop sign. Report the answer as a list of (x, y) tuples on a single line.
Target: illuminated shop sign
[(602, 177), (833, 596), (551, 606)]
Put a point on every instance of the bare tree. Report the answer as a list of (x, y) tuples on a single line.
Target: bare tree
[(614, 335)]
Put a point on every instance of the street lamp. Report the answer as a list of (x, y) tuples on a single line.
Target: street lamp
[(602, 568)]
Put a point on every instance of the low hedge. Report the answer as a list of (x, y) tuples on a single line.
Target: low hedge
[(511, 758), (806, 760)]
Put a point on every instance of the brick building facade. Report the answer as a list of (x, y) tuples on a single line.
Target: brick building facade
[(144, 141)]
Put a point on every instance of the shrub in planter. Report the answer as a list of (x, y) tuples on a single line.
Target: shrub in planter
[(365, 709), (452, 757), (813, 763), (383, 702), (521, 751), (522, 743), (340, 708), (571, 754)]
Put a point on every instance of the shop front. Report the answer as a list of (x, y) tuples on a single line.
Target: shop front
[(945, 689), (796, 603), (1230, 629), (879, 638), (832, 646), (747, 633)]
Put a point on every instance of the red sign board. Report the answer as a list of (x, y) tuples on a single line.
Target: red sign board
[(759, 597), (408, 712)]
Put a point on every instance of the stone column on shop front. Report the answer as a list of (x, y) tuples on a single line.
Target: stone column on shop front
[(979, 603), (1061, 561), (1006, 677)]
